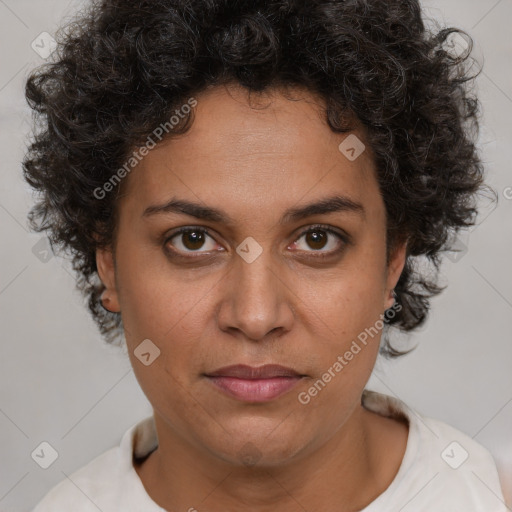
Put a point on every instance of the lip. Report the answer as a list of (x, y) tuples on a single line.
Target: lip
[(255, 384)]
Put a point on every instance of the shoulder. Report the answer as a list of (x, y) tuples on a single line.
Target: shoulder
[(460, 471), (88, 489), (109, 482), (443, 468)]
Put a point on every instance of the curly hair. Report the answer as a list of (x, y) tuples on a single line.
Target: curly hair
[(123, 66)]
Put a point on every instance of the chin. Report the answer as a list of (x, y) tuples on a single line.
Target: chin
[(259, 448)]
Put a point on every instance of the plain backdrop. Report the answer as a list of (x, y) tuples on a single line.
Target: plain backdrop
[(60, 383)]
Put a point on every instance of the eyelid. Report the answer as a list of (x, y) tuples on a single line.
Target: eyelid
[(325, 227)]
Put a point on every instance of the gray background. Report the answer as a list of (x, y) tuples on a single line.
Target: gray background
[(60, 383)]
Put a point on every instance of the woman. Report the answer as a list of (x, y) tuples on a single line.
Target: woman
[(246, 189)]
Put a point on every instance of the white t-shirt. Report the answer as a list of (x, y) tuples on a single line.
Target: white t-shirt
[(443, 470)]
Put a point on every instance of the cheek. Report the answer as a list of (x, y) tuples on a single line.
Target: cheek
[(168, 309), (153, 298), (347, 339), (344, 312), (349, 297), (165, 313)]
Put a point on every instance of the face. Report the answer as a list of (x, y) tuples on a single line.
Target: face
[(258, 281)]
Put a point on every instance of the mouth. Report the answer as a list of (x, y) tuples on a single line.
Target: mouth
[(255, 384)]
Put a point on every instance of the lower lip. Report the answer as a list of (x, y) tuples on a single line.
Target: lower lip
[(255, 390)]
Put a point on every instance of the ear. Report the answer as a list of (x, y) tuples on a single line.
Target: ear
[(396, 264), (106, 271)]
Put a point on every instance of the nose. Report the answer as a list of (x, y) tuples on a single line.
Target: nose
[(256, 299)]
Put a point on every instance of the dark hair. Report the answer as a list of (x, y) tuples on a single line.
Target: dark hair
[(124, 66)]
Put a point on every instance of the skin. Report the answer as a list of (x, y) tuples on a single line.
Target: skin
[(286, 307)]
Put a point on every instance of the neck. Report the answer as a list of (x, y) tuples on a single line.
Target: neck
[(344, 473)]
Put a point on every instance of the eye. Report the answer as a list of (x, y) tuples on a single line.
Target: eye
[(322, 239), (191, 239)]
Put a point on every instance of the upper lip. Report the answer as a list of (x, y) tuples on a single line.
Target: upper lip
[(242, 371)]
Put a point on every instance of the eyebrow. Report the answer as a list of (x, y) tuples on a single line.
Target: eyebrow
[(337, 203)]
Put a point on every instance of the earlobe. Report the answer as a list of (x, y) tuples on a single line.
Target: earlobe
[(395, 268), (106, 272)]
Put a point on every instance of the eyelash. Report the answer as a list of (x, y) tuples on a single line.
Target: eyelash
[(344, 238)]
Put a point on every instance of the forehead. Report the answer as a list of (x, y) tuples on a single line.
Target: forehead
[(262, 145)]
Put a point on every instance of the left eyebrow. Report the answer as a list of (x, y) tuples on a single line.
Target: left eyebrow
[(331, 204)]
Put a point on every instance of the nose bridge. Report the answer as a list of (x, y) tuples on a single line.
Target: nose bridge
[(255, 301)]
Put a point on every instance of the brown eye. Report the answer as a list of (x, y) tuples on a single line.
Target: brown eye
[(193, 240), (188, 240), (324, 240), (316, 239)]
